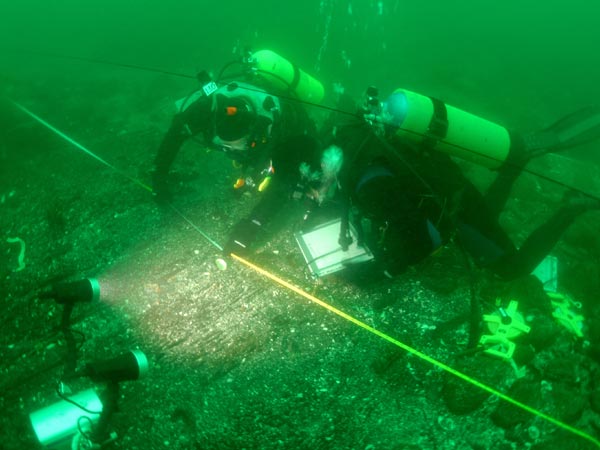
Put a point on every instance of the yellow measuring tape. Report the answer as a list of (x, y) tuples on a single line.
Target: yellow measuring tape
[(413, 351)]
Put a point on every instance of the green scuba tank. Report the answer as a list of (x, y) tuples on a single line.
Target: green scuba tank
[(447, 129), (282, 74)]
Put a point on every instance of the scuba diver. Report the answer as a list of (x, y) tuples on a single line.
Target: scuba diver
[(406, 197), (266, 135)]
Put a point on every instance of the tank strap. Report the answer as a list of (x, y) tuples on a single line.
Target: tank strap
[(296, 79), (438, 126)]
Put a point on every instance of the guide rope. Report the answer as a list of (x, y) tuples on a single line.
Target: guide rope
[(79, 146)]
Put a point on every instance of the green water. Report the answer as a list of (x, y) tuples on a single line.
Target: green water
[(239, 362), (517, 54)]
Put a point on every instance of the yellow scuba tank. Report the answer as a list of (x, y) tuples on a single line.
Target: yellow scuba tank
[(282, 74), (447, 129)]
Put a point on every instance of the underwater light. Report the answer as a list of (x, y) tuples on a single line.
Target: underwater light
[(86, 291), (129, 366), (81, 420), (57, 425)]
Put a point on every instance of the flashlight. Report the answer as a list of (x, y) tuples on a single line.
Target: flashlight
[(129, 366), (86, 290)]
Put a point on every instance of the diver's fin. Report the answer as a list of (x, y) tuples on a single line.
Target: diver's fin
[(575, 129)]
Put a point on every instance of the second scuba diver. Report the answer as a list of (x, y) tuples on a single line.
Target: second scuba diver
[(407, 197)]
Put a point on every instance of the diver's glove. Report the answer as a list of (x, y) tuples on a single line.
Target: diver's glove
[(242, 236)]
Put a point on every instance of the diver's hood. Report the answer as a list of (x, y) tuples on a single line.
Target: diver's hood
[(264, 105), (243, 119), (240, 108)]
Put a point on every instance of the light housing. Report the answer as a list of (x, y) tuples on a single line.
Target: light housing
[(56, 425), (86, 290), (129, 366)]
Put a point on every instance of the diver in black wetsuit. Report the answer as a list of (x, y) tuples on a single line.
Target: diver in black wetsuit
[(267, 136), (409, 200)]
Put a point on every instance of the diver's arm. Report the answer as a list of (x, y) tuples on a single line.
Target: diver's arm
[(185, 124), (169, 147)]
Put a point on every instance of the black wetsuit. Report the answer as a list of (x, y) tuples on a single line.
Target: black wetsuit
[(291, 141), (416, 200)]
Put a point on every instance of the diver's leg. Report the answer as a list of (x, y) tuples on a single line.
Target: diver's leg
[(575, 129), (542, 240), (498, 192), (578, 128)]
